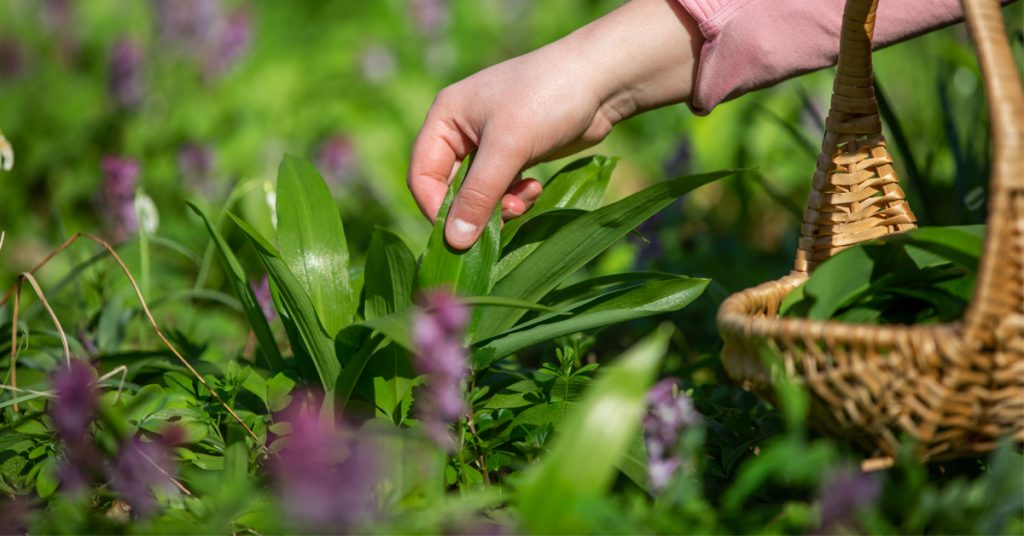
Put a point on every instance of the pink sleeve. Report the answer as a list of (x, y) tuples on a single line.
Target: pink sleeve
[(750, 44)]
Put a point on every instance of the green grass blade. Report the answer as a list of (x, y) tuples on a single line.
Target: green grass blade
[(312, 240), (390, 275), (596, 436), (580, 185), (299, 308), (577, 243), (612, 308), (466, 273), (239, 283)]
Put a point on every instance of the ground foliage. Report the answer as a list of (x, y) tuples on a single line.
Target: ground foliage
[(298, 315)]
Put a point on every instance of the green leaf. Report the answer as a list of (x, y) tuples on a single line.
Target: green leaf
[(465, 273), (577, 243), (578, 185), (577, 291), (390, 275), (47, 479), (313, 242), (612, 308), (239, 283), (591, 443), (531, 236), (296, 305)]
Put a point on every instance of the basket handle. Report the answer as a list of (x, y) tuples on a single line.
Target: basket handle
[(855, 195), (995, 318)]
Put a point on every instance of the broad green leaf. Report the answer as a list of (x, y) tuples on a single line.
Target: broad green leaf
[(312, 240), (465, 273), (530, 237), (390, 275), (354, 369), (576, 291), (961, 245), (297, 307), (617, 306), (578, 185), (577, 243), (239, 283), (591, 443)]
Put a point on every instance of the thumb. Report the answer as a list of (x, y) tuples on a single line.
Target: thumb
[(496, 165)]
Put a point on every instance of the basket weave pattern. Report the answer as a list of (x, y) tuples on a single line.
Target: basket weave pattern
[(955, 388)]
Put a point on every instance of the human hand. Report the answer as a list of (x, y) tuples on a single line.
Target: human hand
[(549, 103)]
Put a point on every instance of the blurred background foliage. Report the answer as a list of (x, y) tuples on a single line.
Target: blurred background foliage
[(206, 99)]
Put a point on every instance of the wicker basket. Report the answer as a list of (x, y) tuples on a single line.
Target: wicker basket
[(955, 388)]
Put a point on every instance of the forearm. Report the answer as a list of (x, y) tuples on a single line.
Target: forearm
[(641, 56)]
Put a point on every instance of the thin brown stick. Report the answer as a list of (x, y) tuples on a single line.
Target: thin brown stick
[(14, 339), (53, 316), (145, 309)]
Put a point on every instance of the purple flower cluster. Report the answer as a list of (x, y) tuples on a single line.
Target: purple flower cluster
[(117, 197), (196, 163), (143, 465), (138, 466), (669, 412), (325, 480), (263, 297), (336, 158), (72, 413), (845, 491), (125, 82), (203, 30), (440, 355), (430, 16)]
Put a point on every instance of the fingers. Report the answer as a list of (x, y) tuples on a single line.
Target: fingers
[(519, 198), (496, 165), (436, 156)]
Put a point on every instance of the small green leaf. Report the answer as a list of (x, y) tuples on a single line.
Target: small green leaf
[(578, 185), (47, 479), (390, 275), (591, 443), (239, 283), (296, 306), (313, 242), (611, 308), (465, 273), (577, 243)]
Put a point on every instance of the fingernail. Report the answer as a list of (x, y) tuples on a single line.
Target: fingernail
[(462, 230)]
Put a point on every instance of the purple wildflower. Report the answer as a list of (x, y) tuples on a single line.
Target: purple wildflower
[(14, 514), (429, 15), (845, 491), (58, 21), (126, 74), (668, 413), (325, 479), (441, 357), (230, 43), (681, 160), (195, 161), (336, 159), (143, 465), (263, 297), (72, 412), (187, 25), (12, 58), (378, 64), (77, 401), (117, 198)]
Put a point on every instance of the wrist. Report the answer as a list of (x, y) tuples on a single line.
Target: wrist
[(641, 56)]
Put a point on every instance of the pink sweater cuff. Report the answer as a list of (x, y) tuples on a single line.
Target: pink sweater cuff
[(750, 44)]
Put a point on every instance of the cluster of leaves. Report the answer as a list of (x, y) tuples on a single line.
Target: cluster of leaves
[(923, 276)]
